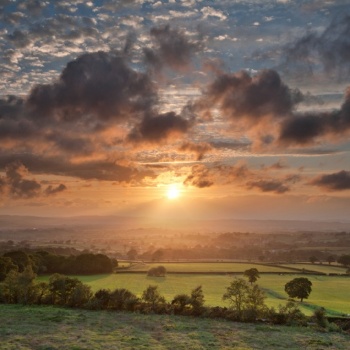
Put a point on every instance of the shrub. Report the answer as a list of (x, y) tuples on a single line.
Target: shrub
[(159, 271), (320, 318), (288, 314)]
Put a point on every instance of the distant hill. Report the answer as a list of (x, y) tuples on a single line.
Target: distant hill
[(129, 222)]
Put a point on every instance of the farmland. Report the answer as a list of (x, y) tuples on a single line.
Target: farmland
[(209, 267), (330, 292), (39, 328)]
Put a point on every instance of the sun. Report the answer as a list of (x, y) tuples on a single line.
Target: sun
[(173, 192)]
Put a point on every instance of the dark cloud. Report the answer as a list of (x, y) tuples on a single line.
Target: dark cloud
[(104, 170), (172, 48), (17, 184), (240, 95), (158, 128), (303, 129), (205, 176), (200, 149), (50, 190), (99, 84), (306, 128), (200, 177), (269, 186), (72, 145), (331, 48), (333, 182), (19, 39)]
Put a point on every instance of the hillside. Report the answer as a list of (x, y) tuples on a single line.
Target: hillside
[(49, 328)]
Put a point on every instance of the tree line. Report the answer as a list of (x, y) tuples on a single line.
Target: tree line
[(246, 300), (43, 262)]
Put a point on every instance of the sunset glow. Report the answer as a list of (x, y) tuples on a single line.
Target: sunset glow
[(173, 192), (113, 106)]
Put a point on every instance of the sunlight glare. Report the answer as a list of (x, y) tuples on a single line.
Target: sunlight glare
[(173, 192)]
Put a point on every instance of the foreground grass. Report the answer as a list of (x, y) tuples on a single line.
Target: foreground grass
[(50, 328)]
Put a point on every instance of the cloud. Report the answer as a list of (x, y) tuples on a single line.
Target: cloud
[(269, 186), (200, 177), (330, 48), (99, 84), (200, 149), (19, 38), (304, 128), (206, 175), (333, 182), (50, 190), (17, 185), (241, 96), (211, 12), (172, 48), (156, 129), (104, 170), (276, 166)]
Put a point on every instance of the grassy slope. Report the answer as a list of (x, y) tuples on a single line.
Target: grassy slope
[(49, 328), (331, 293)]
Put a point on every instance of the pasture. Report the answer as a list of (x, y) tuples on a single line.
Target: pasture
[(50, 328), (330, 292), (210, 267), (318, 268)]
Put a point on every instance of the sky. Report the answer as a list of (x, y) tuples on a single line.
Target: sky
[(241, 109)]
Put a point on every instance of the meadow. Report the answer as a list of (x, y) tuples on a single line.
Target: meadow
[(208, 267), (53, 328), (330, 292)]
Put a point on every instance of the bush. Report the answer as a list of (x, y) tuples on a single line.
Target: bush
[(123, 299), (288, 314), (320, 318), (159, 271)]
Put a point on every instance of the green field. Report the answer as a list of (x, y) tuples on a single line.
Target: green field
[(208, 267), (318, 268), (50, 328), (331, 293)]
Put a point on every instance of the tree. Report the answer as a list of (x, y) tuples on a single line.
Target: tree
[(122, 299), (62, 288), (19, 287), (180, 302), (132, 254), (80, 295), (197, 299), (313, 259), (256, 299), (331, 259), (101, 299), (19, 258), (247, 302), (157, 255), (152, 296), (236, 294), (159, 271), (344, 260), (6, 265), (252, 274), (298, 288)]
